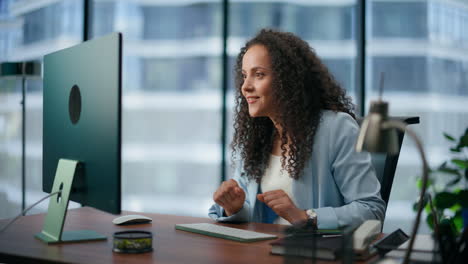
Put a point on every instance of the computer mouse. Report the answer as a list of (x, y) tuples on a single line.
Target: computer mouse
[(131, 220)]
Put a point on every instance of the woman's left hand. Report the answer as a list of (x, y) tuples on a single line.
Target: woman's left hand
[(283, 206)]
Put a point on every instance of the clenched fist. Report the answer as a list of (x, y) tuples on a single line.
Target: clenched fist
[(283, 206), (230, 196)]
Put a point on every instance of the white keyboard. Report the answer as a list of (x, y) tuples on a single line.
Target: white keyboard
[(224, 232)]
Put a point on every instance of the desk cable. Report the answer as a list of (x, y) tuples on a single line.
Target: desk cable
[(25, 210)]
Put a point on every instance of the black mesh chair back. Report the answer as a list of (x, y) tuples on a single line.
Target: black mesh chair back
[(385, 165)]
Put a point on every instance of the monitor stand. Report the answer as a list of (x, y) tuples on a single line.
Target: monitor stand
[(52, 232)]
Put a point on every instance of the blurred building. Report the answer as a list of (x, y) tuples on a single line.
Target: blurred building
[(422, 47)]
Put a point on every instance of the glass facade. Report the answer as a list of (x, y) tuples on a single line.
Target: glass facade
[(421, 47), (172, 84), (10, 146), (32, 29), (171, 101)]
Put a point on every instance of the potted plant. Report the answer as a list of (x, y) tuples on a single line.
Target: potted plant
[(448, 187)]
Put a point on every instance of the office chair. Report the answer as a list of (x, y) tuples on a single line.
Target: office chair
[(385, 165)]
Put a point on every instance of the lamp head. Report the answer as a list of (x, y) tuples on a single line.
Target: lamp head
[(374, 136)]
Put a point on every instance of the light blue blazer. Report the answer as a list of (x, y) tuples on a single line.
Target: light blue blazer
[(338, 183)]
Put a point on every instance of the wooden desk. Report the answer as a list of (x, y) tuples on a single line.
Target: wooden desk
[(17, 243)]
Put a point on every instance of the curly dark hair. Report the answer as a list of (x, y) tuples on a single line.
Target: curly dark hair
[(302, 87)]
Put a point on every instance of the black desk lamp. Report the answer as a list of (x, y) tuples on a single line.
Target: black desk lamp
[(377, 134)]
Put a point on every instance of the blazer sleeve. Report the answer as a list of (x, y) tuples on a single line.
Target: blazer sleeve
[(216, 212), (355, 177)]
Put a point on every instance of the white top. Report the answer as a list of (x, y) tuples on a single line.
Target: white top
[(274, 179)]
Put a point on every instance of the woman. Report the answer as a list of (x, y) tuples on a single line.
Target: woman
[(294, 135)]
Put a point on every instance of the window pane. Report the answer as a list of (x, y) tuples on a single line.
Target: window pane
[(328, 27), (45, 27), (172, 101), (422, 47), (399, 19), (33, 29), (10, 147)]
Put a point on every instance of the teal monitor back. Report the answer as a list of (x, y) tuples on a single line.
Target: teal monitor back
[(82, 119)]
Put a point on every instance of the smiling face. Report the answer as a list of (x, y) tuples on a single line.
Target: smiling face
[(258, 79)]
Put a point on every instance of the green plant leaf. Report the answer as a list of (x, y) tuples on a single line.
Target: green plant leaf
[(427, 205), (456, 208), (419, 182), (445, 169), (447, 227), (444, 200), (454, 181), (464, 140), (424, 204), (449, 171), (443, 165), (463, 164), (449, 137), (458, 221), (430, 221), (456, 149), (462, 198), (466, 174)]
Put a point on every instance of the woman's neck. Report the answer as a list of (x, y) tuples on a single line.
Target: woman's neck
[(277, 125), (276, 146)]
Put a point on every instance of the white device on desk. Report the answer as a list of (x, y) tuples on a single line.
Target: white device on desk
[(224, 232), (365, 234), (131, 219)]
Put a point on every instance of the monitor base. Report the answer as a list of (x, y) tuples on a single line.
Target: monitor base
[(52, 231), (71, 236)]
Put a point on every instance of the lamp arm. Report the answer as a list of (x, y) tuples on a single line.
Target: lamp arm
[(425, 176)]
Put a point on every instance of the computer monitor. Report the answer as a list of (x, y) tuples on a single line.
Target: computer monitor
[(82, 131)]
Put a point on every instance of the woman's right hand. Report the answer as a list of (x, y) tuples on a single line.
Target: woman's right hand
[(230, 196)]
